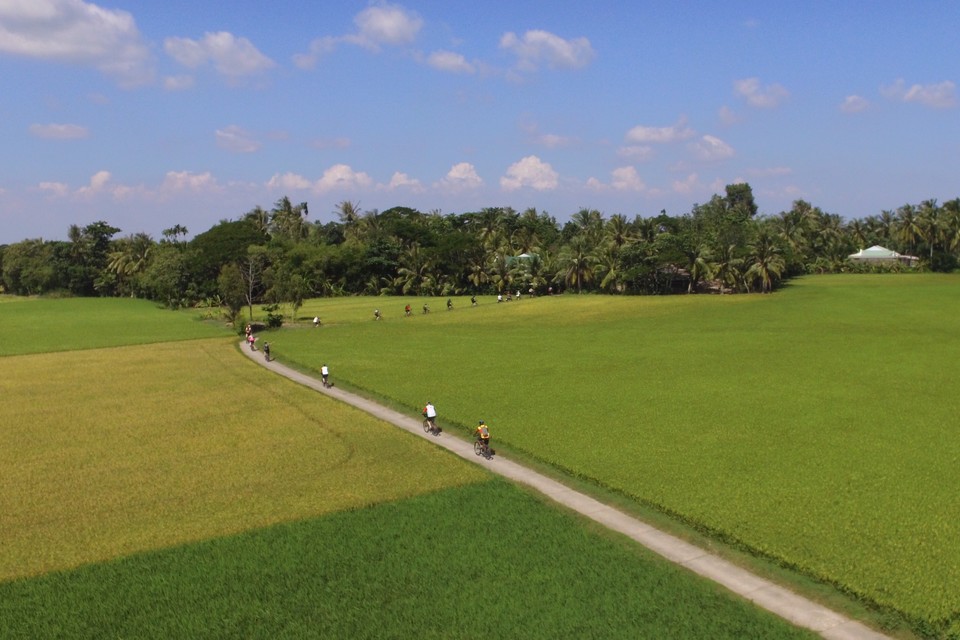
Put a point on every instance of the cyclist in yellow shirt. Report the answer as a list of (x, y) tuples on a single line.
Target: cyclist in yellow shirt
[(482, 432)]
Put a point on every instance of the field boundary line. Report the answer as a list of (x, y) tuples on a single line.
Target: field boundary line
[(768, 595)]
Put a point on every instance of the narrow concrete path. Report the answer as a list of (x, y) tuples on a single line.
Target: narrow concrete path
[(772, 597)]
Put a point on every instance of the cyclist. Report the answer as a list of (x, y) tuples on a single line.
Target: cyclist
[(266, 351), (325, 373), (430, 413), (483, 436)]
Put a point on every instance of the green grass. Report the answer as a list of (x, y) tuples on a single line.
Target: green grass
[(814, 426), (40, 325), (485, 561)]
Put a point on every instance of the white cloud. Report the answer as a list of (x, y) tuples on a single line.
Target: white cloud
[(58, 189), (185, 181), (622, 179), (711, 148), (766, 97), (939, 96), (646, 135), (236, 140), (76, 32), (450, 61), (289, 182), (461, 177), (178, 83), (403, 181), (542, 47), (378, 25), (385, 24), (530, 172), (627, 179), (59, 131), (854, 104), (232, 57), (317, 48), (342, 177), (97, 183)]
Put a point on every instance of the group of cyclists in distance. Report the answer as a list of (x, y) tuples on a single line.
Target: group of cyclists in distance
[(408, 310)]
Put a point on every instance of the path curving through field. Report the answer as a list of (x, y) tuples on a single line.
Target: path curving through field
[(772, 597)]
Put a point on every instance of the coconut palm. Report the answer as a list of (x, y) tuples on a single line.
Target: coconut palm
[(576, 263), (766, 264)]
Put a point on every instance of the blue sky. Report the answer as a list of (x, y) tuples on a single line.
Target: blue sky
[(148, 114)]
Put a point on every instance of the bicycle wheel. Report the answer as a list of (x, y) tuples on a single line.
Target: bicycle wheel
[(426, 426), (478, 447)]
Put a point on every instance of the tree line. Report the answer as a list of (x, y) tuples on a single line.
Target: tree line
[(279, 256)]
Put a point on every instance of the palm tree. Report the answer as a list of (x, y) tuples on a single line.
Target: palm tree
[(618, 231), (765, 261), (727, 268), (577, 263), (699, 265), (349, 214)]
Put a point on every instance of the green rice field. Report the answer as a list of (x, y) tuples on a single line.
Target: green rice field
[(176, 489), (815, 426)]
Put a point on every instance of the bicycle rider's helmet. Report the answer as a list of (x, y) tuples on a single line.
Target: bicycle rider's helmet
[(481, 422)]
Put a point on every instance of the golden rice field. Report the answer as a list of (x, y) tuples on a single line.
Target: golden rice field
[(107, 452)]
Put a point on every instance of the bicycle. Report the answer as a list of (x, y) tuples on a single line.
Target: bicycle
[(430, 426), (481, 448)]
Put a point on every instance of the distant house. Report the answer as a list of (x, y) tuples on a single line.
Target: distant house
[(881, 255)]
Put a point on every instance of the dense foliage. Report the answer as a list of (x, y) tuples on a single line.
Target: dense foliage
[(279, 256)]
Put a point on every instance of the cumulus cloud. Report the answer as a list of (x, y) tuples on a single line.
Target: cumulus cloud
[(645, 135), (379, 25), (77, 32), (59, 131), (289, 182), (758, 96), (710, 148), (317, 48), (342, 177), (530, 172), (537, 48), (621, 179), (236, 140), (232, 57), (98, 182), (854, 104), (385, 24), (58, 189), (450, 61), (403, 181), (942, 95), (461, 177), (185, 181), (627, 179)]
